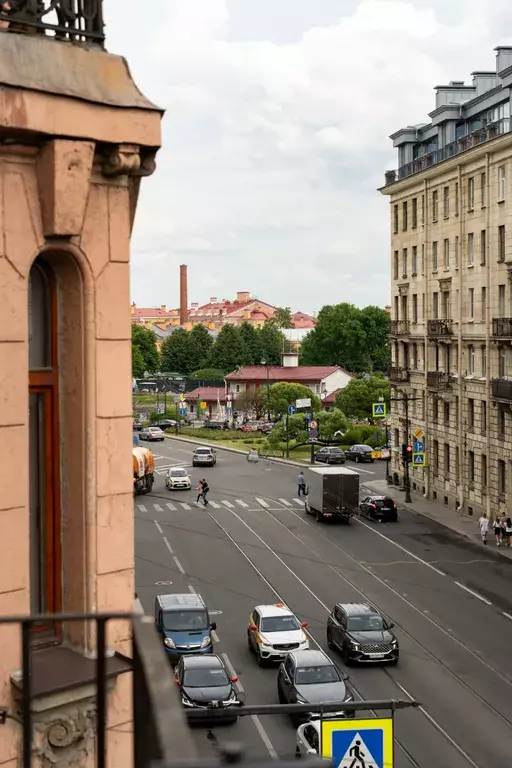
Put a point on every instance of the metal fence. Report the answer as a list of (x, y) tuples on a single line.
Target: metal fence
[(76, 20)]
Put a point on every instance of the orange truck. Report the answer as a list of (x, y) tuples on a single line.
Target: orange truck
[(143, 470)]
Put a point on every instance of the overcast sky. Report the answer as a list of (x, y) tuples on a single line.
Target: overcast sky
[(276, 133)]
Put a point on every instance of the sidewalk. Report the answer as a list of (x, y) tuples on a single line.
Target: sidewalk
[(461, 524)]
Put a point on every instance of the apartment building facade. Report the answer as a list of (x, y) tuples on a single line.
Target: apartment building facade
[(451, 270)]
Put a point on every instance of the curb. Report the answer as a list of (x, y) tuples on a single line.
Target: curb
[(273, 459)]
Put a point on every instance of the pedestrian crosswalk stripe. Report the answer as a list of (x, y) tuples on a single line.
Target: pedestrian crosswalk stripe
[(142, 508), (286, 503), (214, 504), (262, 502), (171, 506), (300, 502), (158, 507), (228, 504), (185, 506), (242, 503)]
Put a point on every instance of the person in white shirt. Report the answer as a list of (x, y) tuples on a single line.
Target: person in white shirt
[(483, 524)]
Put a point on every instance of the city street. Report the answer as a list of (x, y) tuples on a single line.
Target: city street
[(449, 599)]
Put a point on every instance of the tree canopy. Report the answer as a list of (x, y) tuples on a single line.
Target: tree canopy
[(147, 357), (356, 399), (283, 394), (283, 317), (176, 352)]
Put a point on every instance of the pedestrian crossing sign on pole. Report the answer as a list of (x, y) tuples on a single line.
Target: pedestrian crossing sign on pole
[(364, 743), (378, 410), (419, 459)]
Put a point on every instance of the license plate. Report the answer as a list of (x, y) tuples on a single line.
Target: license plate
[(377, 655)]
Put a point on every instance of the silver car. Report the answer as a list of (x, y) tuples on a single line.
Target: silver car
[(204, 457), (151, 433)]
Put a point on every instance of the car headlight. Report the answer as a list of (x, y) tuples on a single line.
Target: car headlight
[(206, 642), (355, 645), (169, 642), (186, 702), (394, 642), (301, 700)]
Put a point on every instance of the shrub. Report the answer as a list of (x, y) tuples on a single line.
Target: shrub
[(366, 435)]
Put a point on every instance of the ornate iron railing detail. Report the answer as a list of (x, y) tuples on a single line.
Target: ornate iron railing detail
[(502, 390), (80, 21), (399, 328), (439, 381), (439, 328), (502, 327), (398, 375)]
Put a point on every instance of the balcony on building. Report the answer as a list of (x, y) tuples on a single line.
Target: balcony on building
[(77, 22), (439, 381), (502, 390), (438, 329), (399, 328), (502, 328), (398, 375)]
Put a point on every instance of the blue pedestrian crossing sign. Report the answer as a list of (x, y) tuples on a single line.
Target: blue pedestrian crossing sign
[(364, 743), (292, 409), (418, 460), (378, 410)]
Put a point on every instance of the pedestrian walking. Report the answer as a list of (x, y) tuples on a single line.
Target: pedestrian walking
[(199, 489), (498, 530), (483, 524), (301, 483), (508, 531), (206, 489)]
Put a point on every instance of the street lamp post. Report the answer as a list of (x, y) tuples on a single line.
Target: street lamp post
[(264, 362)]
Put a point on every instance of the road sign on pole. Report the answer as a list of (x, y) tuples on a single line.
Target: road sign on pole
[(418, 433), (358, 743), (419, 460), (313, 434), (183, 412), (203, 405), (418, 447), (378, 410), (291, 409), (313, 424), (182, 397), (304, 402)]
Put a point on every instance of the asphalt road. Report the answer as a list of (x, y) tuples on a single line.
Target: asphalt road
[(450, 600)]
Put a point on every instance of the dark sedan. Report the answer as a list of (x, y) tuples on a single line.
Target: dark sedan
[(310, 677), (380, 508), (203, 680), (330, 455), (361, 634), (360, 453)]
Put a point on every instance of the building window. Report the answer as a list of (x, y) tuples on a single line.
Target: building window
[(447, 358), (501, 300), (471, 249), (435, 410), (457, 460), (423, 259), (415, 307), (502, 362), (483, 415), (404, 217), (237, 388), (434, 256), (456, 252), (483, 470), (404, 262), (446, 202), (471, 193), (414, 212), (415, 356), (395, 265), (435, 305), (501, 183), (435, 205), (471, 413), (44, 481), (483, 247), (423, 209), (435, 456), (501, 242), (446, 459), (396, 440), (414, 264), (501, 422), (471, 466), (446, 254), (395, 219), (483, 361), (484, 302), (502, 478), (446, 413), (471, 359), (471, 303), (456, 198), (483, 189)]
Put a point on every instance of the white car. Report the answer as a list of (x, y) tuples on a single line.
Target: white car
[(308, 739), (274, 631), (177, 478), (151, 433)]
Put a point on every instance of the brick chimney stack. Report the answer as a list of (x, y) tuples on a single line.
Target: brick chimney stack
[(183, 294)]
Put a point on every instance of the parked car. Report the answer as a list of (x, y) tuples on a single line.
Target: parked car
[(254, 426), (177, 478), (311, 677), (331, 454), (214, 424), (165, 424), (152, 434), (203, 680), (360, 453), (361, 634), (204, 457), (381, 508)]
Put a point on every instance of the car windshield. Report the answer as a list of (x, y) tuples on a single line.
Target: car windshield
[(365, 449), (205, 678), (326, 673), (365, 624), (279, 624), (185, 621), (178, 473)]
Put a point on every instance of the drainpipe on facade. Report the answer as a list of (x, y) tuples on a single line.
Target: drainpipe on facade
[(426, 437), (488, 324), (461, 435)]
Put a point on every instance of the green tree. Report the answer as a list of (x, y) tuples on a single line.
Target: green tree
[(283, 317), (145, 340), (338, 338), (253, 347), (228, 351), (250, 400), (330, 422), (357, 397), (207, 374), (138, 363), (273, 343), (376, 327), (175, 352), (283, 394), (200, 343)]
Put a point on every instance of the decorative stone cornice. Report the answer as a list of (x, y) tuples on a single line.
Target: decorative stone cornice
[(403, 289), (125, 160), (445, 283)]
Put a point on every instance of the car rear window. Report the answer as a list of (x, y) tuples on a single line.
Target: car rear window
[(365, 448), (203, 451), (335, 450)]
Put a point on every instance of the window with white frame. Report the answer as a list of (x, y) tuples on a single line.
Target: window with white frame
[(471, 359), (434, 256), (471, 193), (471, 303), (471, 249), (446, 252), (501, 183)]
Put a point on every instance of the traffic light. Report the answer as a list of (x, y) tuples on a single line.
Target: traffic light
[(406, 453)]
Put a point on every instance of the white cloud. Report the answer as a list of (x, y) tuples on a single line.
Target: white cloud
[(273, 150)]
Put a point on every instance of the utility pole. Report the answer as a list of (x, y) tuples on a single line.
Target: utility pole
[(406, 399), (311, 442)]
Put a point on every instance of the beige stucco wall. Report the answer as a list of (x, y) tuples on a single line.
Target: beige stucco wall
[(72, 198)]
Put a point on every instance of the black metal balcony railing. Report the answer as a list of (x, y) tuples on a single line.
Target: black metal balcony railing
[(439, 380), (502, 390), (502, 327), (491, 131), (76, 20), (398, 375), (399, 327), (439, 328)]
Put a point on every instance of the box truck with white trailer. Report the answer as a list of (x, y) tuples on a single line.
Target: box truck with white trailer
[(331, 492)]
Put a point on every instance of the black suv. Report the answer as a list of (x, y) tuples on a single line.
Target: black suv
[(381, 508), (362, 634)]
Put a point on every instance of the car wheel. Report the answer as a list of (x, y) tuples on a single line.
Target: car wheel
[(150, 485), (307, 509), (280, 695), (330, 643), (319, 516), (357, 459), (372, 461), (261, 662), (346, 657), (249, 644), (298, 753), (393, 663)]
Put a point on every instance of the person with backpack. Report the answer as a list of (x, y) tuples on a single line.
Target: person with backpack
[(199, 489), (206, 489), (497, 530)]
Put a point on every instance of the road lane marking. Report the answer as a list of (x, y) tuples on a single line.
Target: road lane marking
[(241, 503), (178, 565), (300, 502), (475, 594), (142, 508), (285, 502), (166, 542), (262, 502), (366, 471), (411, 554), (191, 588), (507, 615), (171, 507), (158, 527), (228, 504), (158, 507), (214, 504), (257, 722), (185, 506)]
